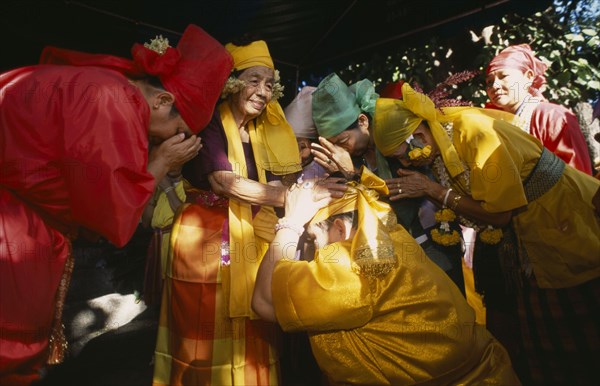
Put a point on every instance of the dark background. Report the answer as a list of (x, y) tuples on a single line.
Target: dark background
[(307, 38)]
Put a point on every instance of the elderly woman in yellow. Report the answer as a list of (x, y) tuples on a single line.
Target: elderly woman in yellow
[(377, 310), (208, 333), (490, 172)]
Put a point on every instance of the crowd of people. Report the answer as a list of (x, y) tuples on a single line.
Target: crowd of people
[(339, 218)]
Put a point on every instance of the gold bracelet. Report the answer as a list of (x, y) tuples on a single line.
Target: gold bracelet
[(455, 201)]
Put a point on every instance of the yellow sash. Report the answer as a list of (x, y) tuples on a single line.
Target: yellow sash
[(275, 153)]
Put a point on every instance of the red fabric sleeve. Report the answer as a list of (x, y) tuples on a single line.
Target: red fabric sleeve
[(74, 145), (559, 131)]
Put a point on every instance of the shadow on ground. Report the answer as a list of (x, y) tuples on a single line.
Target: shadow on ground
[(111, 333)]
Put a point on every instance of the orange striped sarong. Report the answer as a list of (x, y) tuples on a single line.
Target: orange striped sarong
[(198, 343)]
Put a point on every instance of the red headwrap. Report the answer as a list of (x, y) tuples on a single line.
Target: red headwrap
[(194, 72), (392, 90), (521, 57)]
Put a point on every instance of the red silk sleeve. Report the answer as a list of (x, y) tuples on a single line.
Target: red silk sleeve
[(74, 146), (559, 131)]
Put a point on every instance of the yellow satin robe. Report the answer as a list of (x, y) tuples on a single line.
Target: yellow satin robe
[(560, 230), (411, 326)]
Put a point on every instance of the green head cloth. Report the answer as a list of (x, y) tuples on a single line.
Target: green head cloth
[(336, 106)]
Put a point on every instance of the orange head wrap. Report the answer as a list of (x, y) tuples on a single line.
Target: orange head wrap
[(194, 72)]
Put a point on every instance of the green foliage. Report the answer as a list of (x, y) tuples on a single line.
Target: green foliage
[(564, 37)]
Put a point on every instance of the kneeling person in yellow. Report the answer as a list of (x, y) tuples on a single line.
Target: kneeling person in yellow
[(377, 310)]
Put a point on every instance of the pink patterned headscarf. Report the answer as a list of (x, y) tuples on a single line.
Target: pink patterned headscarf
[(522, 58)]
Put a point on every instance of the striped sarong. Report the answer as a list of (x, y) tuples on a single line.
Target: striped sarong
[(560, 330), (198, 344)]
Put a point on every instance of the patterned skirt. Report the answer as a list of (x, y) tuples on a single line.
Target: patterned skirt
[(198, 343), (551, 334)]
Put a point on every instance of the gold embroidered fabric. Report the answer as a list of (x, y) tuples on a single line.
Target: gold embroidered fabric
[(372, 249), (409, 326)]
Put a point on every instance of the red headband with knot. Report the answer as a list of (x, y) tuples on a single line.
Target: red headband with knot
[(520, 57), (194, 72)]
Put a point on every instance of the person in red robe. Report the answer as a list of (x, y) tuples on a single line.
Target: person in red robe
[(514, 83), (84, 139)]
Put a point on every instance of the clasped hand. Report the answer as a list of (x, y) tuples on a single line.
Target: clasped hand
[(175, 151), (408, 184)]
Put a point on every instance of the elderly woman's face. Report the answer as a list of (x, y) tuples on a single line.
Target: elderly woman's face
[(253, 98), (422, 137)]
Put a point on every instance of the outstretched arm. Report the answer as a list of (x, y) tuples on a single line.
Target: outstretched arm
[(283, 246), (414, 184), (301, 204), (232, 185)]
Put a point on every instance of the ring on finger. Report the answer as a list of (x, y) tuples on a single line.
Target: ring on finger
[(328, 160)]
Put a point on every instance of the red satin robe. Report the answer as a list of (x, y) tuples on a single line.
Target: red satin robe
[(73, 154), (558, 130)]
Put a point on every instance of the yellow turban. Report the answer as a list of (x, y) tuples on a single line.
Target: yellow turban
[(395, 120), (254, 54), (372, 249), (274, 143)]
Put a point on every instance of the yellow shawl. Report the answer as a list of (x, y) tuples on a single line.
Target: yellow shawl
[(275, 149), (395, 120)]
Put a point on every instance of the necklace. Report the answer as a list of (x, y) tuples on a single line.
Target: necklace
[(524, 112)]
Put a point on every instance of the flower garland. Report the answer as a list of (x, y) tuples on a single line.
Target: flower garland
[(491, 235), (488, 234), (158, 44), (445, 235), (418, 153)]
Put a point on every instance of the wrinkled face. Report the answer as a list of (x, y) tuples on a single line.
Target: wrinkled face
[(422, 137), (355, 141), (507, 87), (164, 124), (304, 147), (253, 98)]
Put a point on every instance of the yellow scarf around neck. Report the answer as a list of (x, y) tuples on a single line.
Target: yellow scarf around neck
[(273, 151)]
